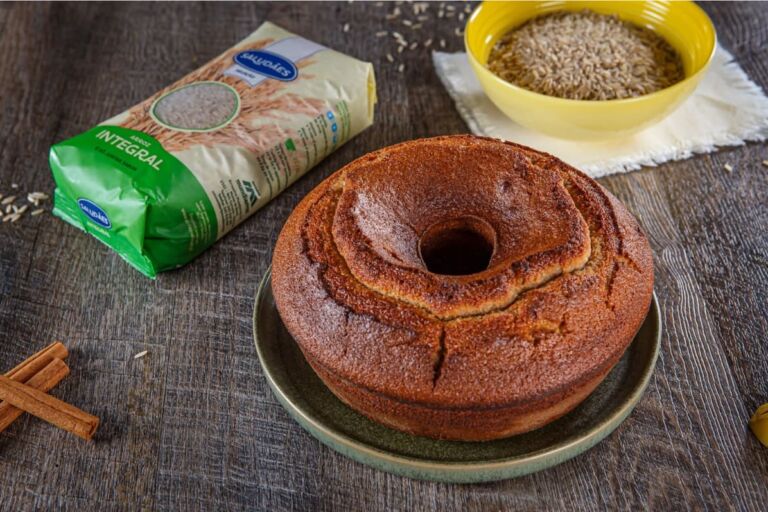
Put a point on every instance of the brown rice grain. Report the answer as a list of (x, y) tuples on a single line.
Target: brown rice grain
[(200, 106), (585, 56)]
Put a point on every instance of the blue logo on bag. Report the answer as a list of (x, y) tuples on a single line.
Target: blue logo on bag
[(268, 64), (93, 212)]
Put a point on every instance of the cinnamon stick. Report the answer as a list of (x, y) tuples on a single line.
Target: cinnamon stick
[(33, 364), (28, 369), (48, 408), (44, 380)]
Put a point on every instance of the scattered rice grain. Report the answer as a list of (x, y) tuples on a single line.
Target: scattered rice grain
[(8, 200), (427, 43), (346, 27), (765, 163), (37, 212), (420, 7), (381, 33), (390, 58), (407, 23), (442, 43), (728, 167), (14, 185), (413, 46), (141, 354), (400, 68)]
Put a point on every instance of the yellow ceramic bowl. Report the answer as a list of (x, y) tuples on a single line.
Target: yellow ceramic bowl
[(683, 24)]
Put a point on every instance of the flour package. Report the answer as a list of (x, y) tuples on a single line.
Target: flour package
[(164, 180)]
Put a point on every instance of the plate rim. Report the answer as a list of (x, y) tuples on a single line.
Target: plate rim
[(458, 472)]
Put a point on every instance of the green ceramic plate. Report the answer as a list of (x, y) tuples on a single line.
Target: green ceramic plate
[(316, 409)]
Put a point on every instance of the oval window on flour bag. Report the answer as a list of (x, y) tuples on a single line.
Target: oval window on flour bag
[(200, 106), (176, 172)]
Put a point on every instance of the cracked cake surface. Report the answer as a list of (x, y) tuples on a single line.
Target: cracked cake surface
[(513, 345)]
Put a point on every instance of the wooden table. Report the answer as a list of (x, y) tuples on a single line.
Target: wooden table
[(193, 424)]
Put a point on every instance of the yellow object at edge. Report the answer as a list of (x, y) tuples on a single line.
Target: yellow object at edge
[(759, 424)]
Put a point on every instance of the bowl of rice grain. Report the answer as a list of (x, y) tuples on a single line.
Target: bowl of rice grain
[(589, 70)]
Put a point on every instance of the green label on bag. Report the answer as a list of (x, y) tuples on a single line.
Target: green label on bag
[(124, 188)]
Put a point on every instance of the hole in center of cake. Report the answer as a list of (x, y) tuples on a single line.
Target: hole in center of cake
[(458, 247)]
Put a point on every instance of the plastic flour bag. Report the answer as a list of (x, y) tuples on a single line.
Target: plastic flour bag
[(164, 180)]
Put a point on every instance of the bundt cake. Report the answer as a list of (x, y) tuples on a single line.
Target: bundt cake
[(461, 287)]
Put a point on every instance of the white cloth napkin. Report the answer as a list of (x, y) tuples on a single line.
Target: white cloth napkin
[(726, 109)]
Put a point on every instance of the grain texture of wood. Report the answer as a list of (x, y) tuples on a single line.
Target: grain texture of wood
[(193, 424)]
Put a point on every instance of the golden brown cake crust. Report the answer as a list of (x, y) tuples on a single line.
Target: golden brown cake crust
[(475, 356)]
